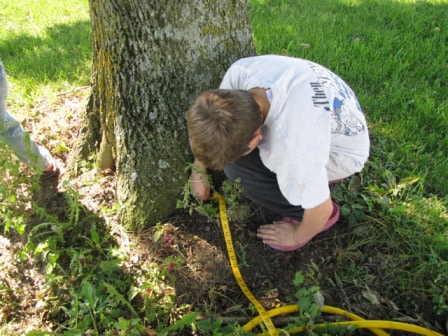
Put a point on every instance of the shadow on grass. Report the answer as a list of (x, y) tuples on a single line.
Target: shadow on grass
[(61, 54), (86, 284)]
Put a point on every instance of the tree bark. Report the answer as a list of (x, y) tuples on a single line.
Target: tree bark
[(151, 59)]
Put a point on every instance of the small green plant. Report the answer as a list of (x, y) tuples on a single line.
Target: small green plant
[(194, 204), (238, 209), (216, 328), (84, 279), (242, 255), (16, 187), (88, 289), (310, 302), (232, 192)]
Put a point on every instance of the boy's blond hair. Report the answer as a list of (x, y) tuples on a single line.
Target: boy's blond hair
[(220, 125)]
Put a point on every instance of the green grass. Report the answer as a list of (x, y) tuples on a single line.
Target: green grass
[(393, 54), (45, 46)]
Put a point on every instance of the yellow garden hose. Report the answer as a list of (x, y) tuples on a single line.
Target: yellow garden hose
[(376, 327)]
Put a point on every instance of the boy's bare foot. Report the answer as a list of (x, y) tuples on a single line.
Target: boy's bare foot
[(331, 221)]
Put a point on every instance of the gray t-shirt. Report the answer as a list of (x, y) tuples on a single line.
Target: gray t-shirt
[(315, 131)]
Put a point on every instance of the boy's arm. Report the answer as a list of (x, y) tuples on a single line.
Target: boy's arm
[(199, 182)]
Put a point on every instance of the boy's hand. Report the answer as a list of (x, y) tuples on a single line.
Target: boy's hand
[(200, 189), (200, 186)]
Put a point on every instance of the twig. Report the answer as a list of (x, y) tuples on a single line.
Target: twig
[(79, 88)]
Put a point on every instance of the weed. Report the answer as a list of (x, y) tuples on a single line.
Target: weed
[(15, 192), (87, 287), (238, 209), (310, 303), (233, 193), (209, 327), (241, 252), (194, 204)]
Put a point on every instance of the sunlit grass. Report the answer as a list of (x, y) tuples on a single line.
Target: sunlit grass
[(394, 55), (45, 47)]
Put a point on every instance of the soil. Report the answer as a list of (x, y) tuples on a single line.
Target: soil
[(205, 279)]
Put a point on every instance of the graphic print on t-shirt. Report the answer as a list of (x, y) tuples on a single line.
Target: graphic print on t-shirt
[(345, 108), (344, 121)]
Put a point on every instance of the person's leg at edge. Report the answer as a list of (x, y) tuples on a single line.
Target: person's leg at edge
[(13, 134)]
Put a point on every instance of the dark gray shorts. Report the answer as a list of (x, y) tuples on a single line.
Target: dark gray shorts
[(260, 185)]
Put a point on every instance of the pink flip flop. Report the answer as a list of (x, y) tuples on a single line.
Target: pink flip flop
[(331, 221)]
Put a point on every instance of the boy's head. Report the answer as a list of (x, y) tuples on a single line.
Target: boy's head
[(220, 125)]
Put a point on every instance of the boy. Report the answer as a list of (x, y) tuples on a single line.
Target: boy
[(286, 128)]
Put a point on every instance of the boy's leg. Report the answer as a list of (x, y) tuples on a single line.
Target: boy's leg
[(260, 185)]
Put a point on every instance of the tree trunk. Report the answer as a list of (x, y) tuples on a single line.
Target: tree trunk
[(151, 59)]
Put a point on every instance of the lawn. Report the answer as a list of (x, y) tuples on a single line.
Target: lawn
[(81, 272)]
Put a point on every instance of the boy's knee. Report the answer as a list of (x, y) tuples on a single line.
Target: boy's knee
[(231, 172)]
